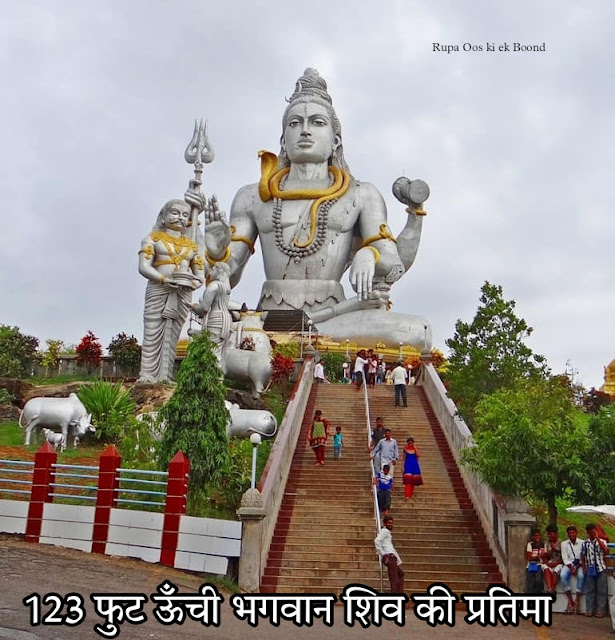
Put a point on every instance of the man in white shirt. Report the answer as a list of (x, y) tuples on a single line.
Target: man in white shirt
[(389, 556), (571, 557), (359, 369), (400, 379), (319, 372)]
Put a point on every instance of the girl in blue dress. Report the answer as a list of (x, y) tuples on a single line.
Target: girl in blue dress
[(412, 468)]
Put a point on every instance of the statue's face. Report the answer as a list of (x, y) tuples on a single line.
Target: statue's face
[(308, 134), (177, 217)]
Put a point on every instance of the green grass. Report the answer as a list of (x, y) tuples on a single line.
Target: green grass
[(40, 381), (579, 520), (10, 434)]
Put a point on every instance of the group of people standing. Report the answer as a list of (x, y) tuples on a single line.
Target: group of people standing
[(373, 370), (384, 454), (553, 561)]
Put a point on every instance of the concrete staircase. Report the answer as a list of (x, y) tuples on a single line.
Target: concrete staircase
[(325, 531)]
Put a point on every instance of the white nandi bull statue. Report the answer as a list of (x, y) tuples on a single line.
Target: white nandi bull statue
[(243, 364), (218, 314), (68, 414)]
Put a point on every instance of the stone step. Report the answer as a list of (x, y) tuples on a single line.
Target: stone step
[(456, 563), (299, 525), (426, 541), (318, 584), (446, 555)]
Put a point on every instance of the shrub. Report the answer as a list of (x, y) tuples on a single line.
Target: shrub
[(282, 368), (334, 365), (6, 397), (89, 351), (51, 357), (196, 416), (126, 352), (16, 351), (289, 349), (111, 406)]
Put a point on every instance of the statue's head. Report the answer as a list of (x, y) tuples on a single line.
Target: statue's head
[(309, 100), (219, 271), (174, 215)]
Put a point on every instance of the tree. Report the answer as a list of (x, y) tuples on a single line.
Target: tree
[(594, 400), (599, 482), (51, 356), (126, 353), (530, 441), (334, 365), (489, 353), (196, 416), (16, 352), (89, 352)]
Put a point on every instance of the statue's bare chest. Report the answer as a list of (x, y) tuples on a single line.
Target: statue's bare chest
[(341, 217)]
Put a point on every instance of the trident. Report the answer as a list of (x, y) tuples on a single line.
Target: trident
[(198, 152)]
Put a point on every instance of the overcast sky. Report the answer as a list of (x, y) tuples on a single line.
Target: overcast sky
[(98, 105)]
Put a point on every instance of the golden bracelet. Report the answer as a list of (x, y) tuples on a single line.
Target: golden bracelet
[(225, 258), (384, 233), (375, 251), (243, 239), (162, 279)]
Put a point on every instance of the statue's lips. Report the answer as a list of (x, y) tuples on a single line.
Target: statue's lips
[(305, 143)]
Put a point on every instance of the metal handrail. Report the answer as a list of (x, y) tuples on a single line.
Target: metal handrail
[(373, 472), (24, 463)]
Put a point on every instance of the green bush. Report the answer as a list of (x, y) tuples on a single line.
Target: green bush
[(196, 416), (333, 364), (126, 352), (288, 349), (16, 352), (6, 397), (111, 406)]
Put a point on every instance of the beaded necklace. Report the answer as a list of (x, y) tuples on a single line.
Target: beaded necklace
[(293, 250)]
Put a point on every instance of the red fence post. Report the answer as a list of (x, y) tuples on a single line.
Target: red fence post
[(106, 496), (42, 477), (175, 506)]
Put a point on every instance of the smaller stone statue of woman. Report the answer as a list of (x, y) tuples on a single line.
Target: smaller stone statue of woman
[(214, 307), (174, 268)]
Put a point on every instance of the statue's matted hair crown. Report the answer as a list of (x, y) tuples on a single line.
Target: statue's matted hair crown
[(311, 83)]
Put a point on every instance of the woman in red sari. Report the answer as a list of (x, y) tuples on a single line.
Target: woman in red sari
[(319, 432), (412, 469)]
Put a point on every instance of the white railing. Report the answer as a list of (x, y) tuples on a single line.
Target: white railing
[(21, 477), (373, 471)]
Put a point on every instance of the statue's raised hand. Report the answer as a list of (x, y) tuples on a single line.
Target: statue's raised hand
[(217, 229), (362, 272), (195, 199)]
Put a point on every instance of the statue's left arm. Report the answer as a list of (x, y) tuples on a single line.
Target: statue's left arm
[(378, 254)]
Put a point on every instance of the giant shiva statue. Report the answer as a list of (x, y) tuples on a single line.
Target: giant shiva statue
[(315, 221)]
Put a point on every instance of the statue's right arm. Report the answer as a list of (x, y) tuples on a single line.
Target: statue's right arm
[(243, 229), (146, 258)]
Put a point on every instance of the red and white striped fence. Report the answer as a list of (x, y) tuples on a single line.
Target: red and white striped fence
[(167, 536)]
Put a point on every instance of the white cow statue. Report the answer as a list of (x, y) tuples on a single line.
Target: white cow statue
[(65, 413), (250, 366), (53, 438)]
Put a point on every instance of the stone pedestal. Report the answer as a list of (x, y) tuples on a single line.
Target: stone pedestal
[(251, 513), (518, 522)]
